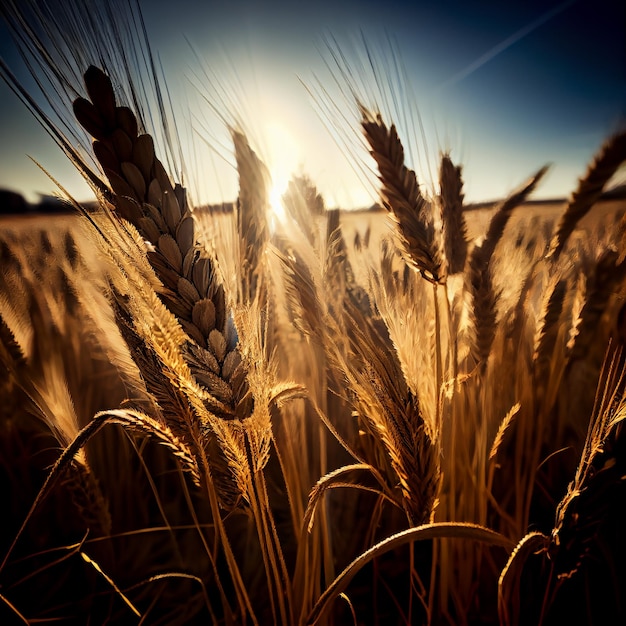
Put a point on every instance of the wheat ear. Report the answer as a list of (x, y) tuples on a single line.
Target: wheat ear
[(479, 277), (547, 332), (599, 476), (483, 311), (390, 411), (605, 281), (144, 195), (251, 212), (482, 254), (305, 205), (454, 227), (610, 156), (402, 197), (338, 273)]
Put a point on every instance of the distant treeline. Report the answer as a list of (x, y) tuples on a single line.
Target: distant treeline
[(13, 203)]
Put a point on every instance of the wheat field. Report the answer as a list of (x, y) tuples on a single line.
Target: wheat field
[(411, 416)]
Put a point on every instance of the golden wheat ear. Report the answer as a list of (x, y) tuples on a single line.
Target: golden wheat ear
[(11, 353), (599, 479), (479, 278), (454, 226), (144, 195), (481, 255), (402, 197), (604, 282), (547, 331), (251, 214), (391, 414), (305, 205), (606, 162)]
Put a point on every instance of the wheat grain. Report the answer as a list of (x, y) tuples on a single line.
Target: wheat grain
[(482, 312)]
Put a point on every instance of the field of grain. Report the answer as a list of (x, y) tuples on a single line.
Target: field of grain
[(126, 529), (410, 416)]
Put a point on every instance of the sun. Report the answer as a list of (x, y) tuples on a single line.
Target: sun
[(283, 160), (277, 190)]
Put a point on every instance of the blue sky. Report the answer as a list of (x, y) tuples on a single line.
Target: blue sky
[(506, 87)]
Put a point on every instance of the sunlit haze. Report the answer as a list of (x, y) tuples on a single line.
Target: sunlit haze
[(505, 87)]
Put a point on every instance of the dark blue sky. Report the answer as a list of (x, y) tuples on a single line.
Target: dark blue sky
[(506, 87)]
